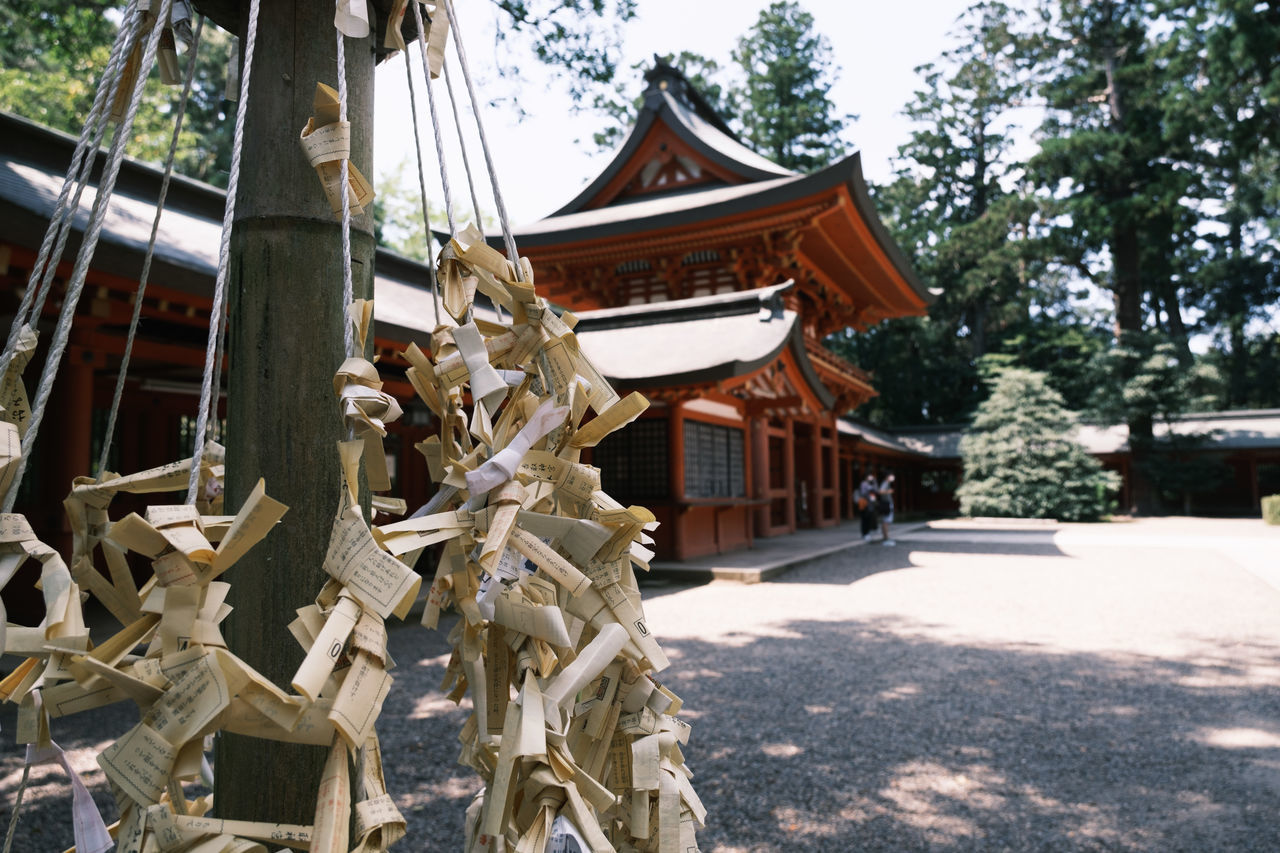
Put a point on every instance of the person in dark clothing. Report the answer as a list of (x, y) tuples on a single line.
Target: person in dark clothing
[(867, 495)]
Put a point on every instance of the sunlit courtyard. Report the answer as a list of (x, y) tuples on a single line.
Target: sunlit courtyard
[(975, 687)]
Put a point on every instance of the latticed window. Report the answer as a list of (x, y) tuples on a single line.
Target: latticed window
[(713, 461), (633, 462)]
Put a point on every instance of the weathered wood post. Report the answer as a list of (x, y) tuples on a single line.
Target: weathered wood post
[(284, 344)]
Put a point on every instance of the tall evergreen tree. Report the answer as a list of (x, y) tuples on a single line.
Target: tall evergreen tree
[(787, 111), (1109, 159), (1226, 56), (957, 206)]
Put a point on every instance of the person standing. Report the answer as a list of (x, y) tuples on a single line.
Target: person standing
[(884, 508), (867, 506)]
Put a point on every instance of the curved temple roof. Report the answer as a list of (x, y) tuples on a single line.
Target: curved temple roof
[(694, 341), (726, 184), (670, 100), (33, 160)]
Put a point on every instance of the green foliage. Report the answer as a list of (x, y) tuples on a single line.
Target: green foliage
[(956, 207), (50, 55), (787, 112), (577, 40), (1146, 377), (1020, 459), (1227, 53), (1271, 509), (1148, 381), (53, 60), (1154, 184), (775, 94), (397, 213)]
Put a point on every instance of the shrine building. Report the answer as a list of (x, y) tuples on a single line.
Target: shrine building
[(706, 276), (701, 274)]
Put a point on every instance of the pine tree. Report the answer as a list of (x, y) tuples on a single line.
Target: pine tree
[(956, 206), (1226, 53), (787, 111), (1020, 459)]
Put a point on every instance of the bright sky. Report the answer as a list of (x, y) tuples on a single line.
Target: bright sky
[(540, 165)]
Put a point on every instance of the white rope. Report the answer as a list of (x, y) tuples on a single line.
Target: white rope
[(466, 162), (435, 119), (75, 287), (109, 437), (348, 292), (224, 255), (86, 169), (422, 189), (219, 353), (462, 144), (91, 134), (512, 254)]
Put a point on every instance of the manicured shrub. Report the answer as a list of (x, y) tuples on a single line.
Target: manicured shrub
[(1021, 459), (1271, 509)]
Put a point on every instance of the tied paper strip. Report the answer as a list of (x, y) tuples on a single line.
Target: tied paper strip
[(327, 142), (352, 18), (90, 830), (502, 465), (487, 385)]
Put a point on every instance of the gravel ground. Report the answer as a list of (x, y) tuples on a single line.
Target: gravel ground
[(964, 690)]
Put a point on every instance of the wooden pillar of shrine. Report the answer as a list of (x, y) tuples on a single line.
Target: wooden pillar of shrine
[(832, 443), (70, 416), (675, 449), (285, 343), (789, 474), (760, 474), (817, 510)]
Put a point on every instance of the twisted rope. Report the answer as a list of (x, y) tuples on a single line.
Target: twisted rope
[(348, 293), (78, 176), (224, 256), (435, 119), (109, 437), (510, 240), (62, 332), (422, 189)]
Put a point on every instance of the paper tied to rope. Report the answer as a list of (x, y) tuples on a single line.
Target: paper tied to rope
[(327, 143), (378, 823), (366, 409), (90, 830), (173, 537), (62, 632), (10, 455), (437, 36), (15, 408), (502, 465), (392, 37), (374, 577), (352, 18), (142, 761), (487, 385), (177, 29)]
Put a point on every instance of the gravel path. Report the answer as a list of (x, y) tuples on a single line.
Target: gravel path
[(964, 690)]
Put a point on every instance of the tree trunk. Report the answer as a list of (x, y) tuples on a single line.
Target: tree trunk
[(1127, 286), (285, 343)]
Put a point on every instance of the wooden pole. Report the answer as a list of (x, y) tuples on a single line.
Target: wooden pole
[(285, 343)]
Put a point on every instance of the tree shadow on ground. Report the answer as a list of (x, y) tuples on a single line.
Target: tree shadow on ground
[(866, 735), (851, 566), (907, 743)]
